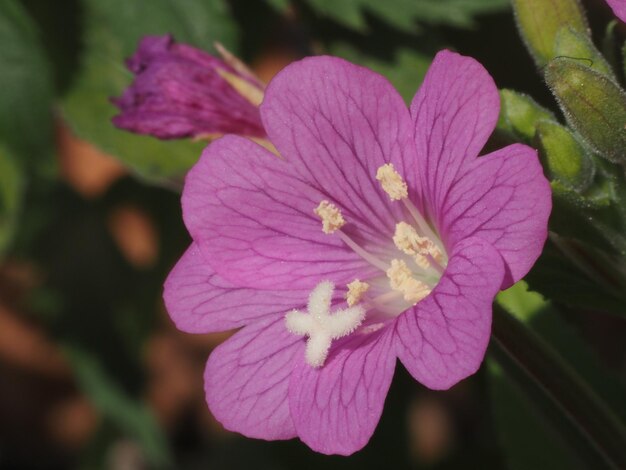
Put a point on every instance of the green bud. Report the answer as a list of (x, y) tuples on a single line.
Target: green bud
[(593, 105), (539, 21), (609, 44), (519, 114), (624, 58), (564, 157), (572, 44)]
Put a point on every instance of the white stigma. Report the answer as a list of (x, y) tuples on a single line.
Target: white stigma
[(330, 214), (320, 325), (356, 290), (392, 182), (401, 280)]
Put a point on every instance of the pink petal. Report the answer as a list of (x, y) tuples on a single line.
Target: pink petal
[(619, 8), (247, 380), (336, 408), (338, 123), (443, 339), (200, 301), (254, 221), (455, 112), (503, 198)]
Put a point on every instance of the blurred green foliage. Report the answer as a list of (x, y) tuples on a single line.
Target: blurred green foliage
[(26, 89), (403, 14)]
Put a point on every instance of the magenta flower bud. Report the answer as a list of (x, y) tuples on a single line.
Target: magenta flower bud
[(180, 91)]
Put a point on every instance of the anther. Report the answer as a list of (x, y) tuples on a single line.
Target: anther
[(401, 280), (392, 182), (408, 241), (356, 290), (331, 217)]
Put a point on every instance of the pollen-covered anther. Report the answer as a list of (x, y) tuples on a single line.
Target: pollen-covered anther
[(392, 182), (331, 216), (408, 241), (320, 325), (356, 290), (401, 279)]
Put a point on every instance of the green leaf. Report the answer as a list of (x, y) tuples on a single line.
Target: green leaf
[(593, 104), (571, 406), (405, 70), (132, 417), (405, 14), (526, 436), (520, 114), (112, 31), (11, 186), (565, 281), (26, 88), (547, 320), (539, 21)]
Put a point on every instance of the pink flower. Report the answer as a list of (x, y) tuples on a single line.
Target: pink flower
[(378, 235), (619, 8), (181, 91)]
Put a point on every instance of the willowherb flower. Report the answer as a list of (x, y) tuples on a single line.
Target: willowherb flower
[(377, 235), (181, 91), (619, 8)]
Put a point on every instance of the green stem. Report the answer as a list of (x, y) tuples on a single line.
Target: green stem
[(585, 411)]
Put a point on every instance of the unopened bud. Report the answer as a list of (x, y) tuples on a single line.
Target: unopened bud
[(593, 105), (565, 158), (539, 21), (519, 115), (572, 44)]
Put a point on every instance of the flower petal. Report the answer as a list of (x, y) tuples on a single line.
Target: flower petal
[(443, 339), (503, 198), (200, 301), (619, 8), (254, 221), (336, 408), (338, 123), (247, 380), (454, 112)]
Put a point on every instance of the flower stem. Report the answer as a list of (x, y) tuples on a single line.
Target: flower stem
[(579, 407)]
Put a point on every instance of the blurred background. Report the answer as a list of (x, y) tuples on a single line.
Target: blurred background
[(93, 374)]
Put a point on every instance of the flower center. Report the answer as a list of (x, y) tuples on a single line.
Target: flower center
[(412, 264)]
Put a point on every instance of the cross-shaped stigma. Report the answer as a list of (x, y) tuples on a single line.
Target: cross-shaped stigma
[(320, 325)]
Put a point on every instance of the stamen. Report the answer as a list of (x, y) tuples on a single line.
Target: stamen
[(253, 94), (356, 290), (392, 182), (320, 326), (407, 240), (330, 215), (332, 221), (361, 252), (422, 225), (401, 279)]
